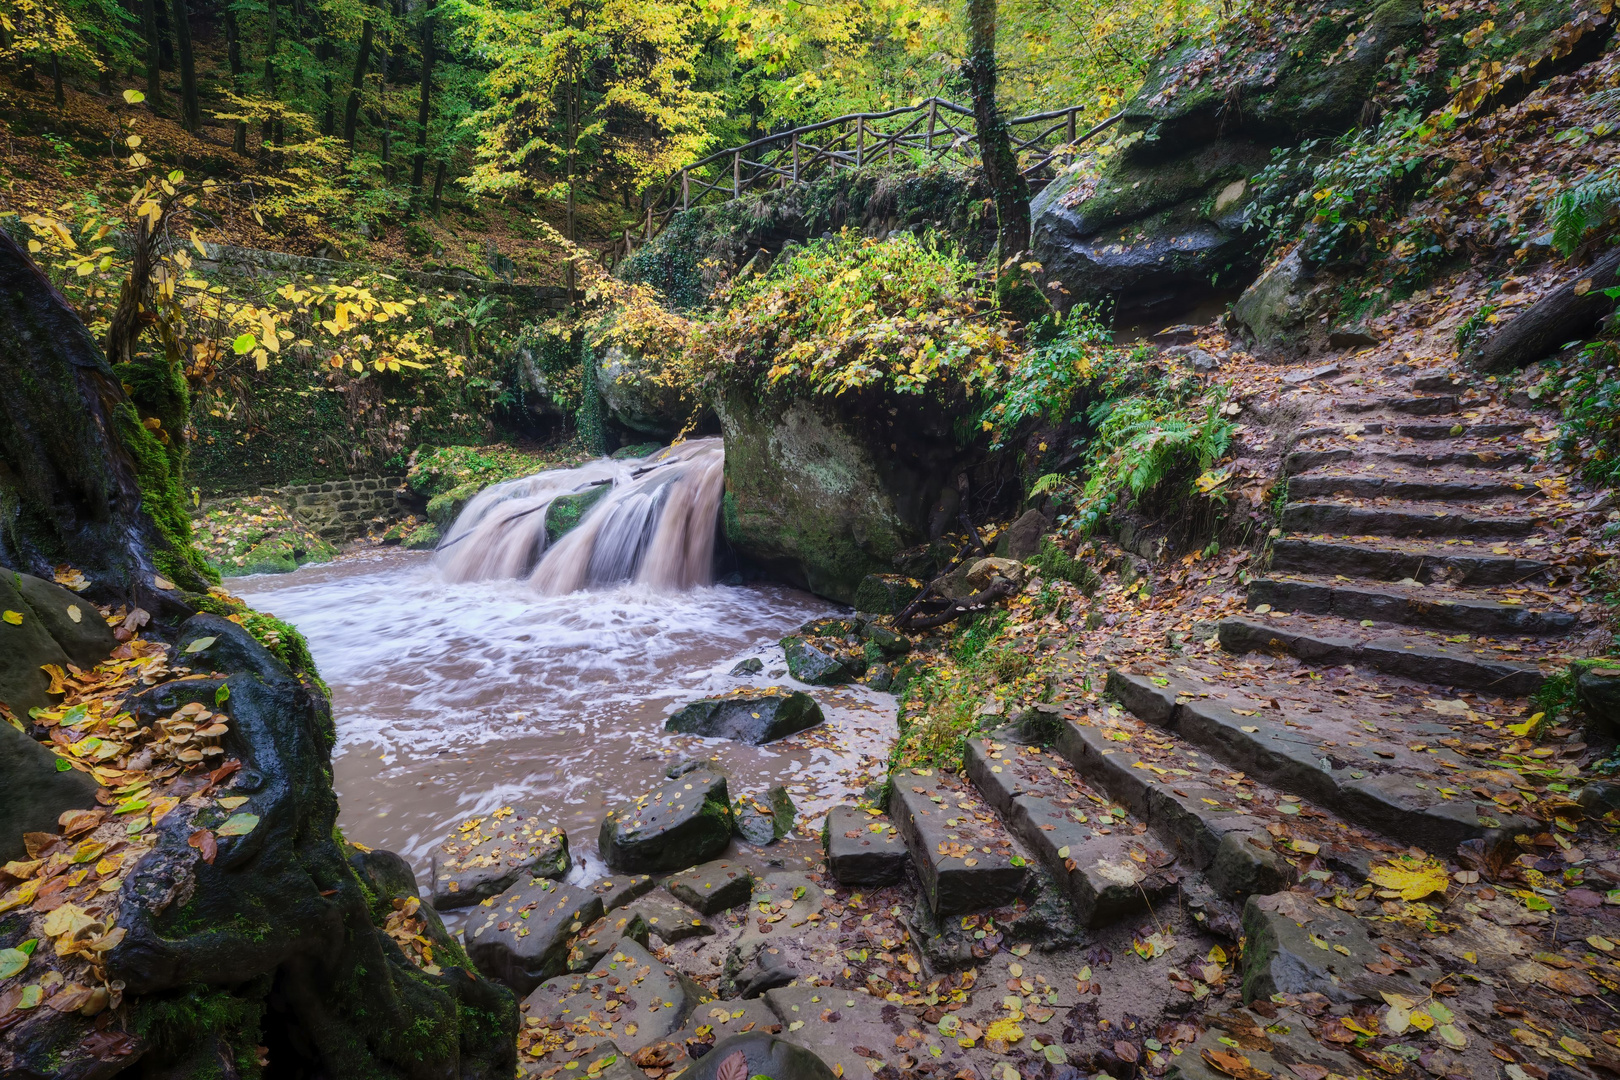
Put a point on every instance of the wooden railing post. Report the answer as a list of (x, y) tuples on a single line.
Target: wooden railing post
[(1073, 153), (736, 174), (860, 141), (933, 115), (686, 190), (795, 157), (649, 223)]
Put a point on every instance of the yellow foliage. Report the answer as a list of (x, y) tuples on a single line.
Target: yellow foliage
[(1412, 878)]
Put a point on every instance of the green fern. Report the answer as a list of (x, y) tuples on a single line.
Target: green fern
[(1582, 207)]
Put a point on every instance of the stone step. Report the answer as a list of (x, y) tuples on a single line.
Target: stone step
[(1365, 485), (1364, 770), (1213, 818), (1087, 845), (1432, 432), (966, 859), (1437, 384), (1328, 641), (1416, 405), (1436, 609), (1343, 519), (1303, 460), (1396, 560)]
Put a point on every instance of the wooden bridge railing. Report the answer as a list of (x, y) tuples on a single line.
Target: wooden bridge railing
[(931, 130)]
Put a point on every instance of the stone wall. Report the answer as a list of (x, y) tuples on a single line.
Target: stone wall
[(339, 510)]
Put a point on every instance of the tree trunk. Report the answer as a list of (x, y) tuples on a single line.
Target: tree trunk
[(104, 75), (190, 109), (1007, 184), (438, 185), (1561, 316), (351, 111), (423, 113), (154, 55), (56, 80), (82, 482), (324, 53), (233, 50), (266, 129)]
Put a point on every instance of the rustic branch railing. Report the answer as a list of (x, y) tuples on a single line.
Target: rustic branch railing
[(931, 130)]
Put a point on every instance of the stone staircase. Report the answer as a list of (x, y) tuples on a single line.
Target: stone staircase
[(1352, 713)]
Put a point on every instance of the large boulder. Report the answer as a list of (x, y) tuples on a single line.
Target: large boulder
[(752, 718), (222, 934), (1167, 220), (825, 490), (684, 822), (485, 854), (35, 790), (638, 396), (42, 623)]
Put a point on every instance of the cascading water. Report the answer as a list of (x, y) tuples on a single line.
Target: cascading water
[(654, 527)]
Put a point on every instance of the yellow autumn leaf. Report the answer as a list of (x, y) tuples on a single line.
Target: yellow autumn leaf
[(1413, 880), (1005, 1029)]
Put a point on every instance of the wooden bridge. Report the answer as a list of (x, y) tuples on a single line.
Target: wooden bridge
[(931, 130)]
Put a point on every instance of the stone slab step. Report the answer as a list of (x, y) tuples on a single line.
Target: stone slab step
[(1214, 819), (1413, 657), (1412, 489), (1397, 519), (1414, 405), (1436, 609), (964, 855), (1393, 562), (1303, 460), (521, 936), (1402, 795), (1437, 384), (1106, 869), (863, 848), (1433, 432), (629, 998)]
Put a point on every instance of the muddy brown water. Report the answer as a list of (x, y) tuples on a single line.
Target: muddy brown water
[(452, 699)]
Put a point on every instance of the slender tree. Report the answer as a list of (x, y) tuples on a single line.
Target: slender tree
[(362, 59), (154, 55), (423, 104), (1007, 185), (272, 41), (190, 107), (233, 51)]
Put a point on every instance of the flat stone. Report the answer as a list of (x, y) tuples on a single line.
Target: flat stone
[(963, 853), (754, 717), (620, 889), (1373, 486), (847, 1029), (593, 942), (680, 824), (782, 904), (1298, 378), (764, 821), (484, 855), (712, 887), (601, 1055), (629, 997), (34, 793), (521, 938), (1341, 519), (1058, 817), (1270, 1044), (1436, 611), (710, 1023), (809, 664), (87, 639), (1297, 945), (751, 666), (1306, 555), (764, 1055), (670, 922), (862, 848), (24, 648)]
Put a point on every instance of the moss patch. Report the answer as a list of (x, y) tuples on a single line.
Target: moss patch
[(162, 499)]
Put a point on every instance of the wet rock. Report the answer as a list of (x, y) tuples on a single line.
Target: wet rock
[(1022, 539), (837, 1025), (984, 571), (72, 621), (670, 922), (597, 939), (885, 594), (782, 904), (484, 855), (862, 849), (635, 396), (621, 890), (880, 677), (755, 718), (25, 647), (1245, 863), (521, 937), (765, 821), (765, 1055), (680, 824), (751, 666), (710, 1023), (640, 987), (1597, 688), (808, 664), (713, 887), (34, 793), (566, 511), (1296, 945), (1600, 797), (888, 642)]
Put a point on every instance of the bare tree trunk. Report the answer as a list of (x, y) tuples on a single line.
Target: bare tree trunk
[(104, 75), (423, 105), (267, 128), (438, 185), (1007, 184), (1562, 315), (351, 111), (233, 50), (190, 107), (154, 56), (81, 480), (56, 79)]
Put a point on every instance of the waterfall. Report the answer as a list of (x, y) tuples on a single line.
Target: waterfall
[(654, 526)]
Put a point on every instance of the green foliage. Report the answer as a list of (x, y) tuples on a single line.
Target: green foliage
[(1051, 378), (441, 470), (1589, 435), (1583, 206), (1470, 328), (906, 314), (162, 499)]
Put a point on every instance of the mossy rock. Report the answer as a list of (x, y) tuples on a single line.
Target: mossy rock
[(425, 537), (445, 507), (566, 511)]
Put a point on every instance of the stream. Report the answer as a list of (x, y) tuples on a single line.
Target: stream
[(454, 698)]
